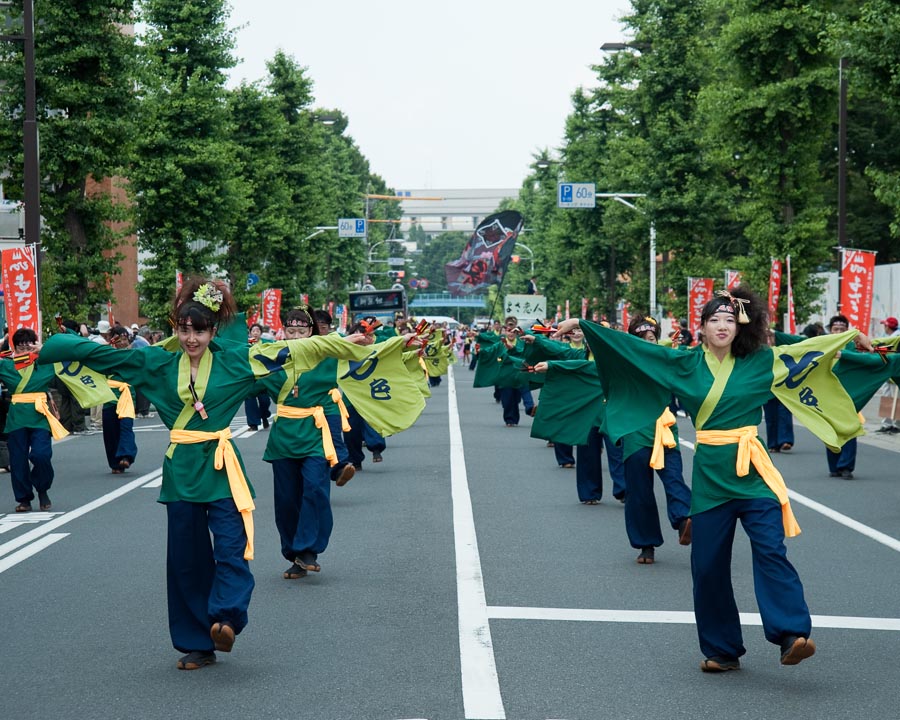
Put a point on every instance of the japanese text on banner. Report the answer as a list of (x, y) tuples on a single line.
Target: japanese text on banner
[(21, 291)]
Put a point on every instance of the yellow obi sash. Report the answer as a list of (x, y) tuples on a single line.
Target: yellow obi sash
[(317, 412), (40, 405), (125, 405), (662, 438), (750, 449), (225, 457), (338, 398)]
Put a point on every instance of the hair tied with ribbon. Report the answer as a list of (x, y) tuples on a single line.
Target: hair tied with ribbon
[(738, 304), (209, 296)]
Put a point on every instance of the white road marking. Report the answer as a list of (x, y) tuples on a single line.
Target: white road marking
[(67, 517), (845, 520), (16, 520), (841, 622), (480, 684), (25, 553)]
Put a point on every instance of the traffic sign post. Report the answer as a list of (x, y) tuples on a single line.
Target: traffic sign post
[(352, 227), (576, 195)]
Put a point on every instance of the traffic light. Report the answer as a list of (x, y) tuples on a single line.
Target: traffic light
[(396, 274)]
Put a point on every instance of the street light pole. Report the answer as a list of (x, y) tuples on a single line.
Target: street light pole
[(620, 197)]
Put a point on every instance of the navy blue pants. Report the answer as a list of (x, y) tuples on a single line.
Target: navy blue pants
[(779, 424), (360, 431), (616, 465), (118, 438), (257, 408), (779, 593), (30, 466), (589, 468), (302, 505), (340, 447), (641, 512), (844, 460), (207, 579), (510, 399), (565, 454)]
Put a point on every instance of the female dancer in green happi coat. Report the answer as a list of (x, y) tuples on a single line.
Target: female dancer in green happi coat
[(198, 385)]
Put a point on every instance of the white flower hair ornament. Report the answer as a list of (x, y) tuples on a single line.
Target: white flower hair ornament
[(209, 296)]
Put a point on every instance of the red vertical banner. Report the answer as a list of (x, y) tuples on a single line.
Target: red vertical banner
[(774, 288), (625, 319), (567, 309), (331, 309), (584, 306), (558, 313), (20, 288), (270, 314), (253, 316), (700, 292), (179, 281), (732, 279), (304, 298), (857, 280), (792, 317)]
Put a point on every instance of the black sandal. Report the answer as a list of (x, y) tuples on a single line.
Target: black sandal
[(196, 659), (23, 507), (294, 572), (646, 557), (307, 561)]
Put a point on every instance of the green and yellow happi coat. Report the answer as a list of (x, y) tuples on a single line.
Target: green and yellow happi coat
[(89, 388), (639, 377), (437, 355), (378, 385), (291, 437)]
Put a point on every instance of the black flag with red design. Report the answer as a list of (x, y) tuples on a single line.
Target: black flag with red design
[(486, 256)]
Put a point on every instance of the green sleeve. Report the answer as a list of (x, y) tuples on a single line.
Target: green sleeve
[(543, 349), (135, 368), (862, 374), (783, 338), (638, 377), (571, 402)]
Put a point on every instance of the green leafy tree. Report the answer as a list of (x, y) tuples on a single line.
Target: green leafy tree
[(86, 111), (187, 177), (866, 34), (259, 130), (768, 111)]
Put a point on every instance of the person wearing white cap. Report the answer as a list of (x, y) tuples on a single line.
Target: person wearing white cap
[(101, 338)]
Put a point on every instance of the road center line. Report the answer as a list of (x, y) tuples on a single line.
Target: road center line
[(480, 684)]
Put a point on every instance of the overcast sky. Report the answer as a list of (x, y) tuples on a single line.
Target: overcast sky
[(452, 94)]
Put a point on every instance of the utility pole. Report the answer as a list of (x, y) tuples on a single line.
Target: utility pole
[(32, 176)]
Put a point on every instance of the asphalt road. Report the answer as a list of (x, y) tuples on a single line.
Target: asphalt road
[(463, 580)]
